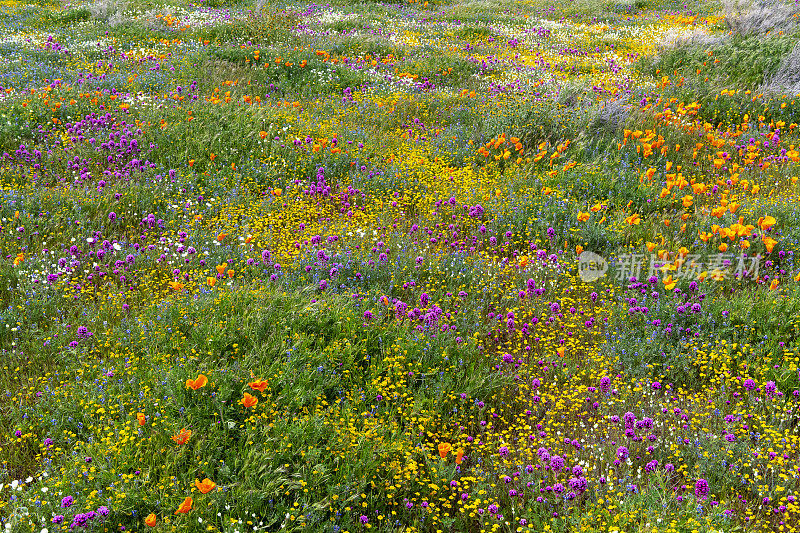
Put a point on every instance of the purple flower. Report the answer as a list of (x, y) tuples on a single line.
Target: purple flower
[(57, 519), (622, 453), (67, 501), (701, 489), (364, 519), (749, 384), (556, 463), (503, 451)]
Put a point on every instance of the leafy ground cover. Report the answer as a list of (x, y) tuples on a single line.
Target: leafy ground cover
[(316, 267)]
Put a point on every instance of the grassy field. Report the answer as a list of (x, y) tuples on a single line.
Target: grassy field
[(316, 267)]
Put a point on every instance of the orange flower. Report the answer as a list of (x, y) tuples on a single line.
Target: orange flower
[(230, 273), (276, 192), (633, 220), (204, 486), (766, 222), (723, 247), (459, 456), (770, 243), (444, 449), (211, 281), (141, 418), (198, 383), (669, 283), (560, 351), (259, 385), (774, 284), (19, 259), (249, 400), (183, 436), (583, 217), (150, 520), (221, 236), (176, 285), (578, 249), (185, 506), (221, 268)]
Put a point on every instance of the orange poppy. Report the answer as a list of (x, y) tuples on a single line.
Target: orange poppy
[(176, 286), (444, 449), (141, 418), (185, 506), (221, 236), (198, 383), (230, 273), (204, 486), (259, 385), (211, 281), (633, 220), (150, 520), (766, 222), (459, 456), (249, 400), (221, 268), (183, 436)]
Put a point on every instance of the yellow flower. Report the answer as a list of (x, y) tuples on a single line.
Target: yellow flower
[(669, 283), (583, 217)]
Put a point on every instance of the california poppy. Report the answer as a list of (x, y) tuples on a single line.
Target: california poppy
[(211, 281), (185, 506), (249, 400), (459, 456), (176, 285), (259, 385), (633, 220), (221, 268), (141, 418), (150, 520), (204, 486), (444, 449), (183, 436), (198, 383)]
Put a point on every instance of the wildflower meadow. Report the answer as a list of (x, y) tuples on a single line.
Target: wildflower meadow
[(416, 266)]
